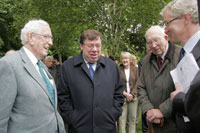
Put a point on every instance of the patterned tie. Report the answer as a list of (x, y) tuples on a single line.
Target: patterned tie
[(160, 63), (47, 82), (182, 54), (91, 70)]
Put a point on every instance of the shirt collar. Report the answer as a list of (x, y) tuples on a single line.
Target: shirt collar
[(190, 44), (30, 55), (163, 55)]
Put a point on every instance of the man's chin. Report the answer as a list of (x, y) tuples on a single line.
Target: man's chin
[(94, 60)]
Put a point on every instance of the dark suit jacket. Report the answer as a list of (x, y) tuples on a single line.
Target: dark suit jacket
[(190, 105), (90, 106)]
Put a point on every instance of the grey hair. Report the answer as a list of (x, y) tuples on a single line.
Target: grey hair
[(48, 57), (156, 28), (33, 26), (179, 7)]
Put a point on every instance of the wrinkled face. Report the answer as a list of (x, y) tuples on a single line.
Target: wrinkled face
[(49, 62), (148, 49), (91, 49), (125, 61), (156, 42), (174, 27), (40, 42)]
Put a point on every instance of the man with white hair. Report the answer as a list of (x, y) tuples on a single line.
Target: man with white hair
[(181, 24), (28, 100), (155, 83), (48, 61)]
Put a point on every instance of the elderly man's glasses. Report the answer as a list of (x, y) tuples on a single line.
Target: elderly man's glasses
[(47, 37), (155, 40), (166, 23)]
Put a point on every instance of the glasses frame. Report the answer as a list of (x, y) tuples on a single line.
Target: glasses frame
[(170, 21), (155, 40), (47, 37), (91, 46)]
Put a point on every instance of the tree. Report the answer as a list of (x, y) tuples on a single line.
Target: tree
[(121, 22)]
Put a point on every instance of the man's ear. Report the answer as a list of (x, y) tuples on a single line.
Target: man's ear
[(166, 37), (187, 18), (30, 38), (81, 46)]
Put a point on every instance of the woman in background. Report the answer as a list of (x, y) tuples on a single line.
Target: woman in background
[(129, 77)]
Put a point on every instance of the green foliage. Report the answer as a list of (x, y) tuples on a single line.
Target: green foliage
[(121, 22)]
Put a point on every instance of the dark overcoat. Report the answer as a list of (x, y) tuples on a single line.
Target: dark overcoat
[(90, 106), (155, 86)]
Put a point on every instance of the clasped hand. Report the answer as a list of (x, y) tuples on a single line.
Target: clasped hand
[(154, 116)]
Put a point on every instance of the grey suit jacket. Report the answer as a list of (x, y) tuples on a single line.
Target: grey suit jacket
[(25, 104)]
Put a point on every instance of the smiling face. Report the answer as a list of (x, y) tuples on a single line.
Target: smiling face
[(91, 49), (175, 29), (125, 61), (39, 43)]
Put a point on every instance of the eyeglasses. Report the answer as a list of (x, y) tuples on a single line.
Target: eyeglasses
[(93, 45), (167, 23), (47, 37), (154, 40)]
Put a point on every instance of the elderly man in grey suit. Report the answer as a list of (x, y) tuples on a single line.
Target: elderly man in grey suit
[(28, 97)]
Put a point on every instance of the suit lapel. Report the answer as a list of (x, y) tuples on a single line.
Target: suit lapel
[(196, 51), (29, 67), (86, 70)]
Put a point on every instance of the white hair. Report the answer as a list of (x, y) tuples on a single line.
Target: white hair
[(179, 7), (33, 26), (156, 28), (48, 57)]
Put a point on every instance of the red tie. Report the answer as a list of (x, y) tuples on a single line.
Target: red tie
[(160, 62)]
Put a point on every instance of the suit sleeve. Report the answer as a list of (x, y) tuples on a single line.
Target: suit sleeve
[(8, 92), (134, 90), (64, 96), (143, 97), (178, 103), (166, 108), (192, 102)]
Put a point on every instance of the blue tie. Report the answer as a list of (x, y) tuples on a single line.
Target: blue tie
[(47, 82), (91, 70), (182, 53)]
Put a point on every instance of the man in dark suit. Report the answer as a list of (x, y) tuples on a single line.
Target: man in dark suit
[(27, 103), (181, 21), (90, 92)]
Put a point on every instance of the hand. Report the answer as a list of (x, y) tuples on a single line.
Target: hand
[(154, 114), (128, 96), (156, 121), (174, 93)]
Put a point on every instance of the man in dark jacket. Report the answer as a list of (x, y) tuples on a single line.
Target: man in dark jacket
[(90, 92), (181, 21)]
